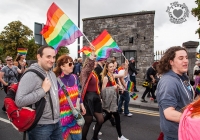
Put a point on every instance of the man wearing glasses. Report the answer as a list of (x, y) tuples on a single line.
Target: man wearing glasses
[(9, 74)]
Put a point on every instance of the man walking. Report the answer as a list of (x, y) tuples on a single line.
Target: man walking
[(174, 91), (32, 88), (132, 72)]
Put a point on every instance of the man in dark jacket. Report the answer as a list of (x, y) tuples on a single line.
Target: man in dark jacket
[(132, 72)]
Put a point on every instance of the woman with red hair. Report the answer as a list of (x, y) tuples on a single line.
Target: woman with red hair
[(189, 123)]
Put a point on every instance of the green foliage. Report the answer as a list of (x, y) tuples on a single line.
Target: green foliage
[(196, 13), (15, 35), (32, 50), (62, 50)]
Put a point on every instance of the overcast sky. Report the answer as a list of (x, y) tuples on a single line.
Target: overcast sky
[(166, 33)]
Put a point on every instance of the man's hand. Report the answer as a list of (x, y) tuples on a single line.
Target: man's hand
[(46, 85)]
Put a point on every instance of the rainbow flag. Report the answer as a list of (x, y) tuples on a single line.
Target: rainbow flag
[(134, 96), (130, 86), (197, 90), (104, 44), (86, 50), (22, 51), (59, 30)]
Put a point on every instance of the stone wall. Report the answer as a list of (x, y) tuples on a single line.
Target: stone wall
[(122, 27)]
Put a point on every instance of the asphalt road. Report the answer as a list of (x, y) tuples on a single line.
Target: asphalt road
[(143, 125)]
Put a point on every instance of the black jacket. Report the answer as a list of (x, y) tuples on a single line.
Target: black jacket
[(132, 69)]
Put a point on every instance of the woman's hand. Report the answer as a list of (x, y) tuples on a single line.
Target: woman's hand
[(83, 109)]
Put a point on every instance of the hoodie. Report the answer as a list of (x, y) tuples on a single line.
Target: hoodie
[(172, 92), (30, 91)]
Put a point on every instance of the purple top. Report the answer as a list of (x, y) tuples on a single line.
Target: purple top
[(197, 81), (69, 80)]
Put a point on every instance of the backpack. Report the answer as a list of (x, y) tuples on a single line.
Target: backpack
[(25, 118)]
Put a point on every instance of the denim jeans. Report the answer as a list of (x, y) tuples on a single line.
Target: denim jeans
[(126, 99), (169, 138), (46, 132), (133, 79), (75, 137)]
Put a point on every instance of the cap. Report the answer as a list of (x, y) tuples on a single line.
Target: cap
[(132, 58)]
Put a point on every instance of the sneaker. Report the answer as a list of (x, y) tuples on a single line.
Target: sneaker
[(143, 100), (128, 115), (100, 133), (155, 101), (122, 138)]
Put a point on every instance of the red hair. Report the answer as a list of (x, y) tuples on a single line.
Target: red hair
[(195, 108)]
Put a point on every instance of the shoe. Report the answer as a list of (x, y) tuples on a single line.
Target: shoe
[(128, 115), (100, 133), (4, 109), (136, 91), (122, 138), (143, 100), (155, 101)]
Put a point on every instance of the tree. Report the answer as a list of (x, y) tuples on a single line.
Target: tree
[(61, 51), (15, 35), (196, 13), (32, 50)]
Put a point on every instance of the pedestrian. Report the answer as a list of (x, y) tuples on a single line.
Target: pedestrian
[(174, 91), (32, 88), (132, 72), (77, 67), (124, 96), (196, 67), (20, 62), (151, 79), (63, 70), (109, 95), (91, 97), (9, 74), (189, 122)]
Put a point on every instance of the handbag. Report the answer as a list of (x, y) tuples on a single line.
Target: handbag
[(145, 84), (76, 113)]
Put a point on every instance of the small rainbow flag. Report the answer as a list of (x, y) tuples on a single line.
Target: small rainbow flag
[(130, 86), (22, 51), (104, 44), (59, 30), (134, 96), (197, 90), (86, 50)]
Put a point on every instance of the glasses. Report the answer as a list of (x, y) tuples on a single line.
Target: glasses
[(70, 64), (9, 60)]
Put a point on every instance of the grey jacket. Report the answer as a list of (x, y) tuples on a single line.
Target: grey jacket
[(109, 99), (172, 92), (30, 91)]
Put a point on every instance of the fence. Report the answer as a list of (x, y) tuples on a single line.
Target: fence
[(158, 55)]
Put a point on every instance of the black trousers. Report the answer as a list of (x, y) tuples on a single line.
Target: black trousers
[(149, 89)]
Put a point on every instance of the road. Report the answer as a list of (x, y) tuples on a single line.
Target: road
[(143, 125)]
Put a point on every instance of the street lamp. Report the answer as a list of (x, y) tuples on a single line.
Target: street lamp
[(78, 27)]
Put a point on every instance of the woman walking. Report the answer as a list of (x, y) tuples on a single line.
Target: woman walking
[(91, 97), (63, 70), (109, 91)]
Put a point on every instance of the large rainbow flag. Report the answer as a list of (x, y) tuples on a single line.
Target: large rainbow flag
[(22, 51), (104, 44), (59, 29)]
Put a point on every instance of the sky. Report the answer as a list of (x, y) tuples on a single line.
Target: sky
[(166, 34)]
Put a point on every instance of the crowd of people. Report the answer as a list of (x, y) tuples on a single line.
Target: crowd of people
[(99, 90)]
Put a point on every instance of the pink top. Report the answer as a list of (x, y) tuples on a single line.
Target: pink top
[(188, 127)]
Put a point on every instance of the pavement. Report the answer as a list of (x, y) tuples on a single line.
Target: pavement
[(150, 105)]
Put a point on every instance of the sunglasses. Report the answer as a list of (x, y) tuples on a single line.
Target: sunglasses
[(70, 64), (9, 60)]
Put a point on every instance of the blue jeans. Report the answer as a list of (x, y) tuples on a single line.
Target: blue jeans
[(75, 137), (169, 138), (126, 99), (133, 79), (46, 132)]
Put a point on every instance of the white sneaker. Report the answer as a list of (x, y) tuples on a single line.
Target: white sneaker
[(122, 138), (129, 114), (100, 133)]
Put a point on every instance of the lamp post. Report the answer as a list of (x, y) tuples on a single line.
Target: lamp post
[(78, 27)]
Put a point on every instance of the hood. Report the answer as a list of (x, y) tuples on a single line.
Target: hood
[(173, 74)]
